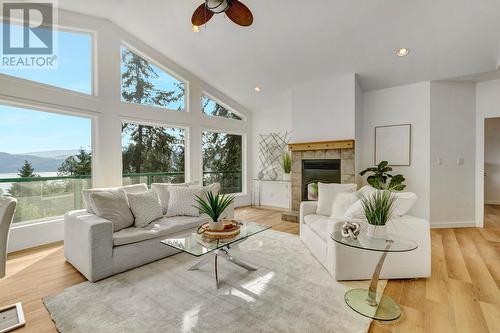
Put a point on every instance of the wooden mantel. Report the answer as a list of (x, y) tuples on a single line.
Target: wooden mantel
[(321, 145)]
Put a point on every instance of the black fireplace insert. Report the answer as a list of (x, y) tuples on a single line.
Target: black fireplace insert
[(318, 171)]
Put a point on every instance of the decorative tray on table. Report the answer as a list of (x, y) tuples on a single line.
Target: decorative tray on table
[(231, 230)]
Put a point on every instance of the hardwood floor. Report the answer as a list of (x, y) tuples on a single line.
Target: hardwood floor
[(463, 294)]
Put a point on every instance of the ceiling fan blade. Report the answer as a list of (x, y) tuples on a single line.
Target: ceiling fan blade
[(240, 14), (201, 15)]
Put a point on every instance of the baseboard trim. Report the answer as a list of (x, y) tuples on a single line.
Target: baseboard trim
[(453, 224), (491, 202)]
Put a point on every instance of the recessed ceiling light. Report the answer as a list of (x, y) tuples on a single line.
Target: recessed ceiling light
[(195, 28), (257, 89), (402, 52)]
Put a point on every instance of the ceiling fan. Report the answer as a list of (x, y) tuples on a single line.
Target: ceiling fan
[(234, 9)]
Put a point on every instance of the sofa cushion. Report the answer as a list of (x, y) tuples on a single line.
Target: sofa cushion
[(112, 206), (163, 192), (146, 207), (318, 224), (182, 201), (136, 188), (342, 202), (159, 228), (327, 194)]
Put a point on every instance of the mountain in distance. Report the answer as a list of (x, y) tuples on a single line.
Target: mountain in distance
[(57, 154), (11, 163)]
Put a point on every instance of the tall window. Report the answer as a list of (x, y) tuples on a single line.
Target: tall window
[(222, 160), (152, 154), (74, 62), (45, 161), (212, 108), (145, 83)]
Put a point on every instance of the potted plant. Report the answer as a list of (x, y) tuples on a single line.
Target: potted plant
[(214, 206), (381, 179), (286, 164), (378, 209)]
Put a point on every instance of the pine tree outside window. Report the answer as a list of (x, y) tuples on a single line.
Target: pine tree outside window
[(145, 83), (222, 160), (152, 154), (212, 108)]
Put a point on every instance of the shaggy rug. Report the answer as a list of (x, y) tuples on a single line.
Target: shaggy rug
[(290, 292)]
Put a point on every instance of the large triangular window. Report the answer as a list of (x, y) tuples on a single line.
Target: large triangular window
[(145, 83), (212, 108)]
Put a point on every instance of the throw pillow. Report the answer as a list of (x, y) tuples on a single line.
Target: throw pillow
[(355, 211), (86, 196), (404, 202), (112, 206), (182, 201), (342, 203), (145, 206), (134, 189), (327, 194), (162, 189)]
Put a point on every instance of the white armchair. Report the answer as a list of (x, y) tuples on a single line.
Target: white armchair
[(347, 263)]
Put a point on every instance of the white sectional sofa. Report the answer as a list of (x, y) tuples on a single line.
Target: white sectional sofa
[(92, 247), (348, 263)]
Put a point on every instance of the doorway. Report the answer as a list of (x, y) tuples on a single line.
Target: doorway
[(492, 172)]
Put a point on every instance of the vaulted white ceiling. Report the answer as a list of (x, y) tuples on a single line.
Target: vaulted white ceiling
[(294, 41)]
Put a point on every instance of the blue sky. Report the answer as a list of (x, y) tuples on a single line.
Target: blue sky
[(24, 130), (74, 70)]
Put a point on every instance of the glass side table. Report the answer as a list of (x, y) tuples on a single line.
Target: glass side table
[(369, 302)]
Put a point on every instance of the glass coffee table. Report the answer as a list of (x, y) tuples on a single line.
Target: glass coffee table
[(369, 302), (193, 243)]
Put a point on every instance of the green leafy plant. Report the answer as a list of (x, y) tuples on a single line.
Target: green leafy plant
[(378, 207), (381, 179), (286, 163), (214, 205)]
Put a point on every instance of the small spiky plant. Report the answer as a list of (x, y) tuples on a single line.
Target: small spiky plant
[(378, 207), (214, 205), (286, 163)]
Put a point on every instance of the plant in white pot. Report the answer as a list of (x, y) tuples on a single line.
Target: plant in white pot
[(378, 209), (286, 164), (214, 206)]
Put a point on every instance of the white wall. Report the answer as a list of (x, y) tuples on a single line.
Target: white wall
[(265, 122), (107, 112), (358, 135), (452, 137), (408, 104), (492, 161), (324, 110)]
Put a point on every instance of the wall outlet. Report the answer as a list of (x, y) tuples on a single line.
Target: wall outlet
[(460, 161), (439, 161)]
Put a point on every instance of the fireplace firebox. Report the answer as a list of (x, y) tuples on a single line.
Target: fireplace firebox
[(316, 171)]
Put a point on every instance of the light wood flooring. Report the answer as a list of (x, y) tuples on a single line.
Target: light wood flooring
[(462, 295)]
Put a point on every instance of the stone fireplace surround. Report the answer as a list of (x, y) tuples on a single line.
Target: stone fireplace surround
[(343, 150)]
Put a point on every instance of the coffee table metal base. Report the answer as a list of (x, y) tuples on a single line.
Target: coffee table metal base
[(384, 308), (222, 253)]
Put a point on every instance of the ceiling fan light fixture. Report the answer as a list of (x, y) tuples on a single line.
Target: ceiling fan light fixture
[(257, 89), (402, 52), (218, 6), (195, 28)]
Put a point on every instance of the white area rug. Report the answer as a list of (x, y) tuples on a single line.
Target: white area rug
[(291, 292)]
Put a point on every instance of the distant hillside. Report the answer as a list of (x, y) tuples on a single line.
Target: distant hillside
[(58, 154), (10, 163)]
